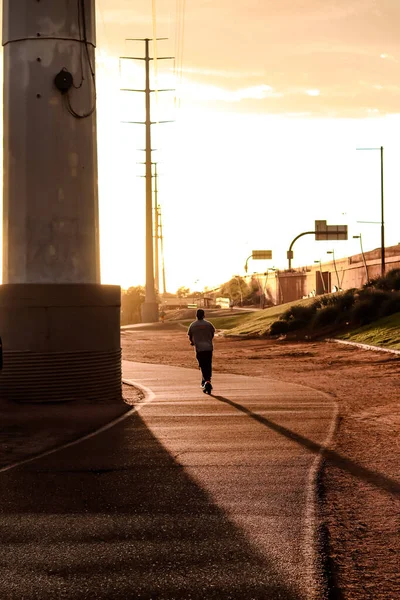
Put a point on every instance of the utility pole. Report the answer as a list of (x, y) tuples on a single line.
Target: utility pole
[(162, 250), (156, 236), (150, 305), (156, 230)]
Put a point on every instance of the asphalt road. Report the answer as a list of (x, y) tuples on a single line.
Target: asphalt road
[(190, 497)]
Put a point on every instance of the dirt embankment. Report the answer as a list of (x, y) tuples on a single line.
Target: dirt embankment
[(360, 483)]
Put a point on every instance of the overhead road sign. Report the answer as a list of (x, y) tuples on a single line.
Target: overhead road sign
[(261, 255), (323, 231)]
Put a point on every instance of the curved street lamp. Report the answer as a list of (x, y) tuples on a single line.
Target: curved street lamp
[(322, 277), (382, 211), (246, 263), (334, 264), (356, 237)]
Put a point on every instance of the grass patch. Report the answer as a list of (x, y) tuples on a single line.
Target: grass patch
[(257, 323), (384, 332), (228, 322), (371, 316)]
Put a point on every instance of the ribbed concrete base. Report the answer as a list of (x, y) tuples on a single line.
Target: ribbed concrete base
[(61, 342), (61, 376)]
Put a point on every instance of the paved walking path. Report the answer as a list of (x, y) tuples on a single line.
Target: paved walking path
[(190, 497)]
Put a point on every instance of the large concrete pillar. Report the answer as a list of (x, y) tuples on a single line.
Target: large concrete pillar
[(52, 305), (50, 227)]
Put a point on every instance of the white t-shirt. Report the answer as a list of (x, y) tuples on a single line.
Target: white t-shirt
[(201, 333)]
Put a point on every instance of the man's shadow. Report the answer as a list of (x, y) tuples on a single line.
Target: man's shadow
[(378, 480)]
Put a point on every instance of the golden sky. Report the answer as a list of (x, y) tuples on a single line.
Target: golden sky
[(275, 96), (328, 58)]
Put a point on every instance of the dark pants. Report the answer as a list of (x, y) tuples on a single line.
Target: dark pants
[(204, 359)]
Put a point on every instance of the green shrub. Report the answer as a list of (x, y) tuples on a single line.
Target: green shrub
[(393, 279), (390, 281), (390, 306), (285, 316), (346, 300), (295, 324), (364, 312), (298, 311), (278, 328), (374, 296), (325, 316), (329, 299), (344, 305)]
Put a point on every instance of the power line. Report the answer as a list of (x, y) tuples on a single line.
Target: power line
[(162, 249)]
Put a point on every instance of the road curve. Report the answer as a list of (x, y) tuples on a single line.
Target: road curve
[(191, 497)]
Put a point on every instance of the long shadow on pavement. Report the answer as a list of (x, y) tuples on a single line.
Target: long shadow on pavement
[(378, 480), (116, 517)]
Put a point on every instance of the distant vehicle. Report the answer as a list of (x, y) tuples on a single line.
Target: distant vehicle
[(223, 302), (169, 302)]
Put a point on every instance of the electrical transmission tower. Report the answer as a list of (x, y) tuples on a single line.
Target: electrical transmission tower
[(150, 306), (158, 236), (161, 237)]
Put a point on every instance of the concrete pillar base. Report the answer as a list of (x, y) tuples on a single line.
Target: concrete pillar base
[(61, 342), (149, 312)]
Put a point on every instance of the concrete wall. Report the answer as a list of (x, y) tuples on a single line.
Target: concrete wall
[(287, 286), (349, 273)]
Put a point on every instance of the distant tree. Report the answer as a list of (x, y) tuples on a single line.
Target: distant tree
[(236, 289), (131, 304), (183, 292), (254, 291)]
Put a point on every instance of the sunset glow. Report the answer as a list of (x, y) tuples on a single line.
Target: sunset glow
[(271, 103), (274, 101)]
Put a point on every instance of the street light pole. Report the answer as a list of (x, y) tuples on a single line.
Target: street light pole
[(322, 277), (382, 210), (334, 264), (356, 237), (382, 220)]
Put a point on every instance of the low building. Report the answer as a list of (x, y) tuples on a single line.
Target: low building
[(171, 302)]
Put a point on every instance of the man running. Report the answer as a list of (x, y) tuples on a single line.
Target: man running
[(201, 333)]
